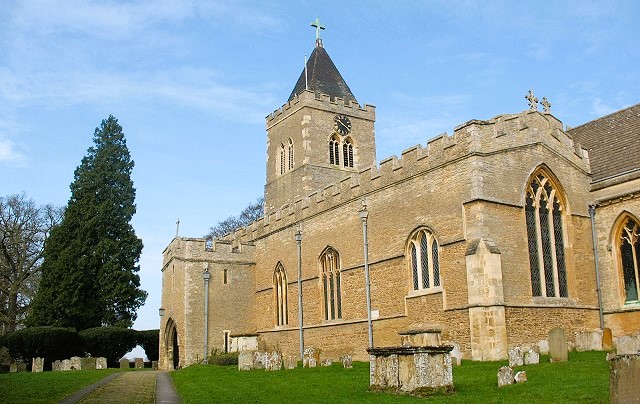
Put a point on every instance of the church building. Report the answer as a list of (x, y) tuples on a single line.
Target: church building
[(490, 237)]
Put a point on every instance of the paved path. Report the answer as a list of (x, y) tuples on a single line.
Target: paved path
[(128, 387)]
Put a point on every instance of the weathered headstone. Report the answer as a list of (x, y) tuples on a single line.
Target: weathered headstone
[(56, 366), (543, 347), (505, 376), (66, 365), (456, 355), (327, 362), (515, 356), (628, 344), (624, 374), (531, 357), (17, 367), (37, 365), (75, 363), (124, 363), (311, 357), (274, 361), (290, 362), (101, 363), (245, 360), (154, 365), (139, 363), (88, 363), (259, 360), (607, 339), (588, 340), (558, 349), (347, 362), (520, 377)]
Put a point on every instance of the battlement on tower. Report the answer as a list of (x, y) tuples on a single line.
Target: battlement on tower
[(208, 250), (309, 98), (500, 134)]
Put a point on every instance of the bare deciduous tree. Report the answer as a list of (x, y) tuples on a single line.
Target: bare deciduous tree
[(250, 214)]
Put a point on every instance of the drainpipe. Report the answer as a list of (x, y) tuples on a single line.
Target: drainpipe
[(300, 317), (364, 215), (205, 276), (592, 214)]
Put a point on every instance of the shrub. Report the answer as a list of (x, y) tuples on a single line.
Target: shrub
[(109, 342), (223, 358), (50, 343), (149, 340)]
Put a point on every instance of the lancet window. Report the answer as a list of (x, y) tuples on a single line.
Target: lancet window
[(282, 158), (290, 160), (425, 265), (544, 213), (280, 292), (347, 153), (628, 241), (331, 287), (334, 151)]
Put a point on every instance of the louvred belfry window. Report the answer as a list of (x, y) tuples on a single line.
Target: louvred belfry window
[(629, 249), (334, 151), (544, 213), (347, 153), (282, 159), (290, 165)]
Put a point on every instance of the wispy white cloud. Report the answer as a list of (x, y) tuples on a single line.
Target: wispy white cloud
[(600, 108), (9, 155)]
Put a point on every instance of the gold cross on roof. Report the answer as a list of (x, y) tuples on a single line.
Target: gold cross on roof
[(318, 27)]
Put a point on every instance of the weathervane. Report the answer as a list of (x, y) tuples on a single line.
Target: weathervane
[(318, 28)]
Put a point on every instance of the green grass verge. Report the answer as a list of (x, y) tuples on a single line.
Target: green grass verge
[(583, 379), (46, 387)]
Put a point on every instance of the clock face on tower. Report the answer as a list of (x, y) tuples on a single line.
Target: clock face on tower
[(342, 124)]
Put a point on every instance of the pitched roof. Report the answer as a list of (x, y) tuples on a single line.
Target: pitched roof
[(323, 77), (613, 142)]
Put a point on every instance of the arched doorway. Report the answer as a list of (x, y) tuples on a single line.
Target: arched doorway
[(172, 348)]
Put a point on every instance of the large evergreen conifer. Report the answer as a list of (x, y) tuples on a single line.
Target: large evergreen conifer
[(90, 270)]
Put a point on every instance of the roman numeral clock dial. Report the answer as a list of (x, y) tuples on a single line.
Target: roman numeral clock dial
[(342, 124)]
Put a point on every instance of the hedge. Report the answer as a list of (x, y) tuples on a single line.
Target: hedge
[(50, 343), (149, 340), (110, 342)]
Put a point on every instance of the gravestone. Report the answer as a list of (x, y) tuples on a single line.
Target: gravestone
[(88, 363), (139, 363), (66, 365), (259, 360), (124, 363), (154, 365), (628, 344), (56, 366), (17, 367), (543, 347), (588, 340), (274, 361), (290, 362), (515, 356), (624, 374), (75, 363), (327, 362), (607, 339), (520, 377), (37, 365), (531, 357), (101, 363), (456, 355), (245, 360), (558, 349), (505, 376), (347, 362), (311, 357)]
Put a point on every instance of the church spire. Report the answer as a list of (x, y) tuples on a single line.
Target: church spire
[(321, 74)]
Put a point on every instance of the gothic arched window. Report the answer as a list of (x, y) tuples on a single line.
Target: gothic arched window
[(280, 292), (330, 263), (290, 155), (544, 213), (282, 158), (347, 153), (425, 265), (628, 242), (334, 151)]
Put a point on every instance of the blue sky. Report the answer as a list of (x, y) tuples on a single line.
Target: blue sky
[(192, 81)]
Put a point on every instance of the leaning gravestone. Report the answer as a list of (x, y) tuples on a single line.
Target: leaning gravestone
[(101, 363), (505, 376), (558, 349), (124, 363), (531, 357), (37, 365), (456, 355), (520, 377)]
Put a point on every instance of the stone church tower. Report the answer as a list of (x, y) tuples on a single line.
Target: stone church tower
[(319, 137)]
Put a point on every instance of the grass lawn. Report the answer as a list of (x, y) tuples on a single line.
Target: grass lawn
[(583, 379), (46, 387)]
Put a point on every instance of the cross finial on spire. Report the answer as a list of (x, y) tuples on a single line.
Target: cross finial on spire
[(546, 105), (318, 28), (533, 101)]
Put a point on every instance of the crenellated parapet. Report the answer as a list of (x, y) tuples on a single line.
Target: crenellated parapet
[(473, 138), (208, 250), (309, 98)]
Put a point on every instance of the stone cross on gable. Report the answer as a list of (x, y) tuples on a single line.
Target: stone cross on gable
[(318, 27), (533, 101), (546, 105)]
